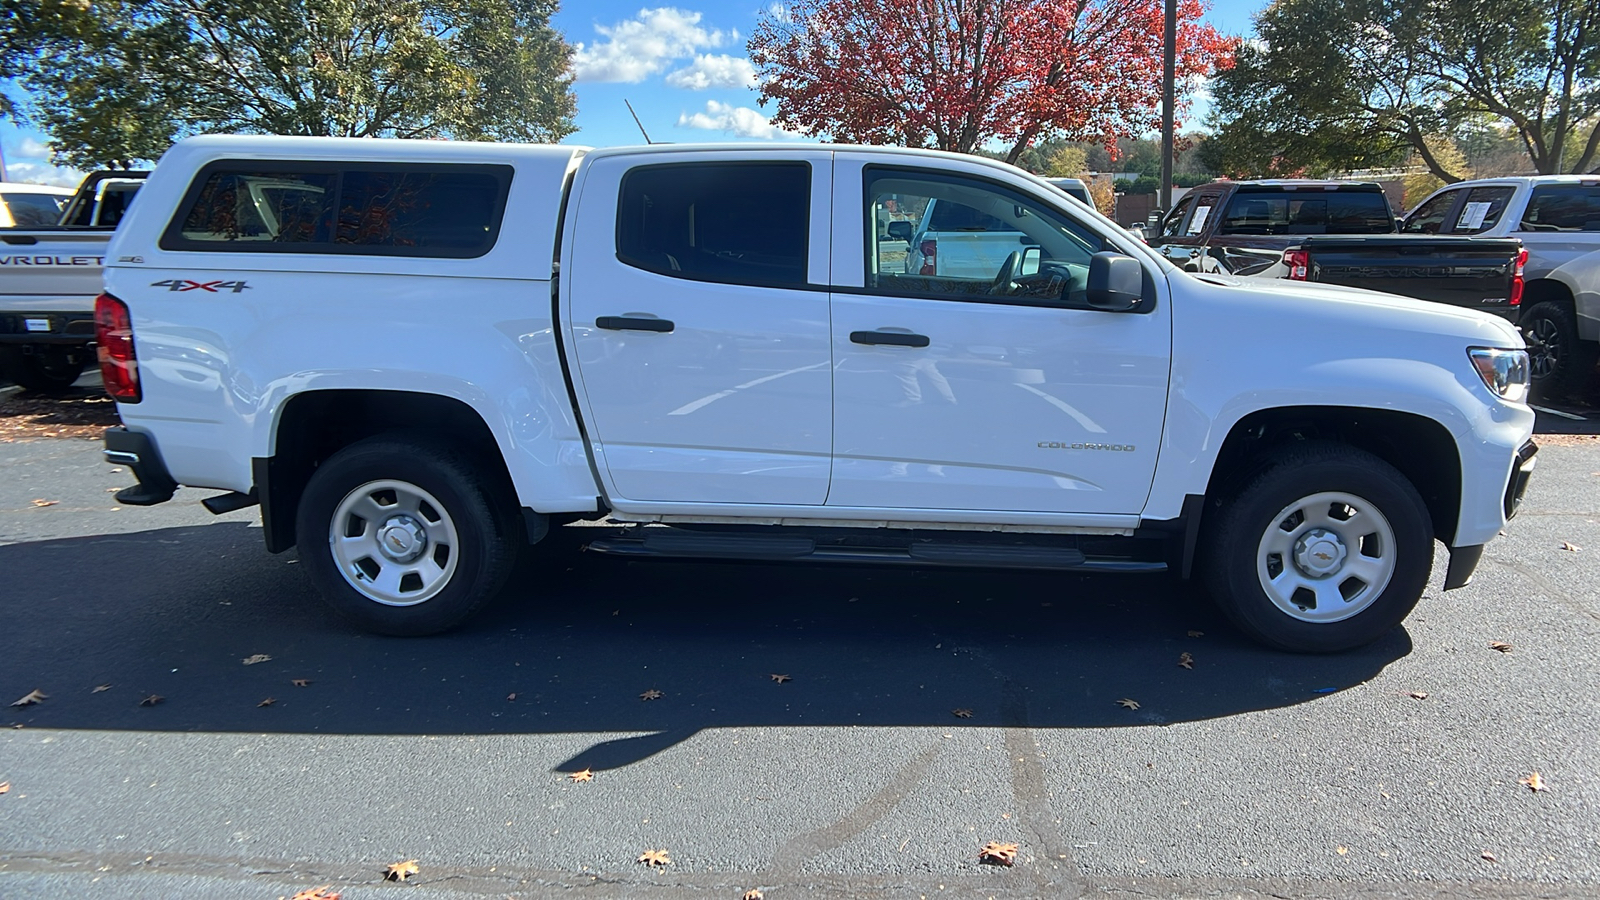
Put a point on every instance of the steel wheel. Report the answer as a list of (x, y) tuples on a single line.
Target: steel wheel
[(394, 542), (1326, 557)]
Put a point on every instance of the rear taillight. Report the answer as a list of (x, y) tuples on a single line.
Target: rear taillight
[(1516, 277), (113, 333), (1298, 263), (930, 256)]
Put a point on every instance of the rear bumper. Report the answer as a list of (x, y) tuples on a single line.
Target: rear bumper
[(138, 452), (55, 327)]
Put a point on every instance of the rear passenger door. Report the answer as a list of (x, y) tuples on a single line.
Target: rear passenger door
[(697, 324)]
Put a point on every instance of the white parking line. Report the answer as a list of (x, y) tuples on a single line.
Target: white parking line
[(1557, 412)]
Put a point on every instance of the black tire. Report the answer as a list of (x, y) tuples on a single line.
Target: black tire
[(1561, 361), (477, 533), (47, 370), (1236, 549)]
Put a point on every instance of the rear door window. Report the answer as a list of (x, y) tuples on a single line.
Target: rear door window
[(1311, 211), (1482, 209), (1563, 207), (445, 211)]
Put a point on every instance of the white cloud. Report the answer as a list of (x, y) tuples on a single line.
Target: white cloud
[(33, 149), (739, 121), (639, 47), (714, 71), (40, 172)]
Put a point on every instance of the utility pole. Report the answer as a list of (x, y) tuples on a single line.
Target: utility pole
[(1169, 64)]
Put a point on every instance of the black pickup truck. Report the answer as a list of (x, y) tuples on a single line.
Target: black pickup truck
[(1335, 232)]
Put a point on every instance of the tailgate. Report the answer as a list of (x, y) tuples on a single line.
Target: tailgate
[(48, 266), (1475, 273)]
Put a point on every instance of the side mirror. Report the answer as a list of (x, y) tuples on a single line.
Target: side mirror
[(900, 231), (1030, 261), (1116, 282)]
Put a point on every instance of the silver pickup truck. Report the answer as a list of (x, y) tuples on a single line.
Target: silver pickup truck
[(49, 277)]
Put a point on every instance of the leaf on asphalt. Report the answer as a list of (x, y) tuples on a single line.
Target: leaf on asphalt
[(32, 697), (5, 787), (1534, 782), (100, 687), (995, 853), (753, 894), (45, 502), (1186, 660), (962, 713), (258, 658), (651, 694), (268, 702), (1341, 850), (585, 775), (1128, 704), (317, 893), (299, 682), (655, 858), (1502, 646), (1417, 695), (1565, 545), (1197, 634), (511, 696), (779, 678), (151, 700), (400, 871), (1489, 856)]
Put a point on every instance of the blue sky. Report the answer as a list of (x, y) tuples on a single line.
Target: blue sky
[(683, 67)]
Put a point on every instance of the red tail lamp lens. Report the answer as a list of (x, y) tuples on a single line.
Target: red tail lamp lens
[(113, 335)]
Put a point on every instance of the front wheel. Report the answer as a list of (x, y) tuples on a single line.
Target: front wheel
[(400, 538), (1325, 548)]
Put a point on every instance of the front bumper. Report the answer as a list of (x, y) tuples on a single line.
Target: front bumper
[(46, 327), (1464, 560), (136, 451)]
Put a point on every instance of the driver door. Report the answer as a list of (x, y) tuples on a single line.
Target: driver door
[(999, 390)]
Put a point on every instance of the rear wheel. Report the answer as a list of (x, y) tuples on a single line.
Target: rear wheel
[(47, 370), (1560, 360), (1324, 548), (401, 539)]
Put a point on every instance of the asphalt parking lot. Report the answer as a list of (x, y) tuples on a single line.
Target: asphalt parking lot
[(1253, 774)]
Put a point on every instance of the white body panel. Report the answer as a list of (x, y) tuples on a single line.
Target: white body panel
[(757, 407)]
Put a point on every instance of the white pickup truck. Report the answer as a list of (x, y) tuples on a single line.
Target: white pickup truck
[(1557, 218), (418, 356)]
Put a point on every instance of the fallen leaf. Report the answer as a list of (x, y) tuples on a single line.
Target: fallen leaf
[(1564, 544), (400, 871), (1129, 704), (1502, 646), (1489, 856), (1197, 634), (961, 713), (779, 678), (151, 700), (998, 854), (317, 893), (32, 697), (1186, 660), (45, 502), (100, 687), (651, 694), (655, 858), (585, 775), (299, 682), (5, 787), (511, 696), (753, 894), (1417, 695), (268, 702), (1534, 782), (1341, 850), (258, 658)]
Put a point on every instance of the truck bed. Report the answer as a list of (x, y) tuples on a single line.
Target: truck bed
[(1468, 272)]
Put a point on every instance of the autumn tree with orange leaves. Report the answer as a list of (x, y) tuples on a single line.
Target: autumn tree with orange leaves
[(958, 74)]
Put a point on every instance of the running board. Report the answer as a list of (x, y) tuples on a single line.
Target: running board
[(664, 544)]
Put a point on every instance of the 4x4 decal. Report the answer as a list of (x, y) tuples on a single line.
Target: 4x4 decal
[(183, 284)]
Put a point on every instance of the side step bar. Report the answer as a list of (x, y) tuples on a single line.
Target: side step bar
[(662, 543)]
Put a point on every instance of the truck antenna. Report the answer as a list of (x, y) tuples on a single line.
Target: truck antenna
[(637, 122)]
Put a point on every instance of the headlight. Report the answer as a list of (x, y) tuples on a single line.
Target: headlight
[(1504, 371)]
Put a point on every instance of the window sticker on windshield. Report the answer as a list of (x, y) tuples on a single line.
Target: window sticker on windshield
[(1199, 220), (1473, 214)]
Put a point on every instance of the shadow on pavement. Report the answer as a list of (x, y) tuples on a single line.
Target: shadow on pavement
[(578, 638)]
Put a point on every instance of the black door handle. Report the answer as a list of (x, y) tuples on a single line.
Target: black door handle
[(633, 323), (892, 338)]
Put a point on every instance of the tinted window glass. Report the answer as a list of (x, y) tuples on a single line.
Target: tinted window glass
[(1202, 214), (34, 210), (1169, 226), (1429, 217), (392, 210), (1563, 207), (995, 244), (1482, 210), (1307, 212), (744, 223)]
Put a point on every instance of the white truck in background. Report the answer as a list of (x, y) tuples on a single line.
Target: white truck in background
[(1557, 218), (418, 356), (49, 276)]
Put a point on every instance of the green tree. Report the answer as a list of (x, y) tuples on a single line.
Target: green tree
[(1341, 84), (120, 80)]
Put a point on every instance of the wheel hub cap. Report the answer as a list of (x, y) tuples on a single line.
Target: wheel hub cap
[(402, 539), (1319, 553)]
